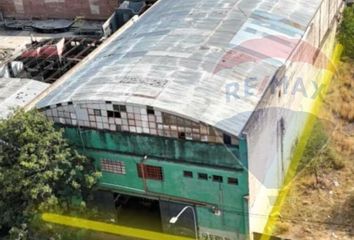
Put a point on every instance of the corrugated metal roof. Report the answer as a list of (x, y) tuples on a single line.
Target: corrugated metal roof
[(169, 59), (16, 92)]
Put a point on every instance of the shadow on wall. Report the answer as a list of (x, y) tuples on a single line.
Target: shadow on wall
[(281, 140)]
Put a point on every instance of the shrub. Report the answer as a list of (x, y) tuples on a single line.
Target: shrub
[(346, 32), (318, 154)]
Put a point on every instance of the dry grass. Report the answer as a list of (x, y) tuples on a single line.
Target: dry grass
[(341, 96), (281, 228), (340, 104), (320, 204)]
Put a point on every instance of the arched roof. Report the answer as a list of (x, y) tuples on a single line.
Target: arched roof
[(179, 57)]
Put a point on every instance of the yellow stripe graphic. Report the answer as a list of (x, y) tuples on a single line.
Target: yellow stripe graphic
[(298, 153), (108, 228)]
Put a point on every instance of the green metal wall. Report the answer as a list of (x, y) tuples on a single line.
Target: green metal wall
[(174, 156)]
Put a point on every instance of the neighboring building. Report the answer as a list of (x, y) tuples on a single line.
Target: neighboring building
[(155, 110), (63, 9), (16, 92)]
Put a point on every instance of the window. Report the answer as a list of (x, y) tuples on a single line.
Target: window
[(150, 110), (233, 181), (217, 178), (227, 139), (112, 114), (113, 166), (203, 176), (115, 107), (122, 108), (188, 174), (119, 108), (97, 112), (182, 135), (150, 172)]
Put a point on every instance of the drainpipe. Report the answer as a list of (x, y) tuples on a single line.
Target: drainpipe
[(142, 169)]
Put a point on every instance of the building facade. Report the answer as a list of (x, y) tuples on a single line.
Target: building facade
[(185, 106), (63, 9)]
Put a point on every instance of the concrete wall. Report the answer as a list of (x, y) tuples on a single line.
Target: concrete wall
[(275, 128), (44, 9)]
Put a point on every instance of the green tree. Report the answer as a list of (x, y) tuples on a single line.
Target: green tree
[(38, 172), (346, 32)]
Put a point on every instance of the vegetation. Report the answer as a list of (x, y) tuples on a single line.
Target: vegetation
[(320, 202), (343, 93), (346, 34), (340, 105), (281, 228), (39, 172), (319, 155)]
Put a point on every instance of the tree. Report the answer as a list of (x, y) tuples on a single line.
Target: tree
[(346, 32), (38, 172)]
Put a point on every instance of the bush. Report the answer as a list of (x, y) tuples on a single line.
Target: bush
[(318, 154), (346, 32), (314, 145)]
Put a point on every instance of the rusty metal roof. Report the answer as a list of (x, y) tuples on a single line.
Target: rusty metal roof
[(173, 58)]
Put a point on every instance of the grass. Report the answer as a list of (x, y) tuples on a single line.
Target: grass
[(343, 95), (320, 204), (281, 228), (340, 104), (319, 155), (346, 33)]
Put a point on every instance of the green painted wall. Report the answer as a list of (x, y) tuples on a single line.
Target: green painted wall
[(174, 156), (165, 148), (229, 220)]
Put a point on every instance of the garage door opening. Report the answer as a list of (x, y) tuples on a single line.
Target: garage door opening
[(148, 214), (138, 212), (129, 211)]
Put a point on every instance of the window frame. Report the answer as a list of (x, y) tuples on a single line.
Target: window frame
[(187, 174), (232, 181), (218, 178), (204, 175), (150, 172), (111, 166)]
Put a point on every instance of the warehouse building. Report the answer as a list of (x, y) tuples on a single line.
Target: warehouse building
[(185, 107)]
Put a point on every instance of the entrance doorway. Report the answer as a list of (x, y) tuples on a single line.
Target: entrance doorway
[(126, 210), (145, 213), (137, 212)]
